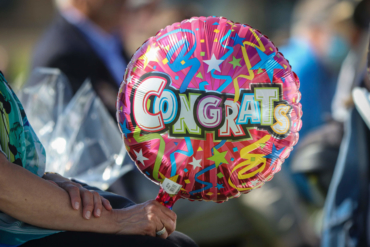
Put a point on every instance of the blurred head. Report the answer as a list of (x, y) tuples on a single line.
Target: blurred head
[(104, 13), (144, 18), (327, 26)]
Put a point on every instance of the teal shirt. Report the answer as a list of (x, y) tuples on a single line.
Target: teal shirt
[(21, 146)]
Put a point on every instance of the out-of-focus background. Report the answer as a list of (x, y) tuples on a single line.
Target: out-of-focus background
[(23, 22), (324, 40)]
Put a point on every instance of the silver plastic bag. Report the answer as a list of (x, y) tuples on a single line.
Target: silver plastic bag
[(80, 137), (44, 98)]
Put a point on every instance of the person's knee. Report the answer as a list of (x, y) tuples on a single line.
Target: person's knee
[(181, 240), (176, 239)]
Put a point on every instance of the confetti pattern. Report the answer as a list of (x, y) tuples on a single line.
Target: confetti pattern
[(208, 109)]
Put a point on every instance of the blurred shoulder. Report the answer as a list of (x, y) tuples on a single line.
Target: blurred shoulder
[(61, 40)]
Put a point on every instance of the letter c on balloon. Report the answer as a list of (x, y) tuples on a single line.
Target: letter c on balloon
[(147, 121)]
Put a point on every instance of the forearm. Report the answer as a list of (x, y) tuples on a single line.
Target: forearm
[(33, 200)]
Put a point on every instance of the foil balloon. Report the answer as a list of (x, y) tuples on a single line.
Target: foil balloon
[(208, 109)]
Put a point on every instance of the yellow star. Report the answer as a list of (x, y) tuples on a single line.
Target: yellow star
[(173, 179), (149, 55), (218, 157)]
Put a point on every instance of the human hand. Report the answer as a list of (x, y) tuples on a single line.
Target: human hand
[(145, 219), (91, 200)]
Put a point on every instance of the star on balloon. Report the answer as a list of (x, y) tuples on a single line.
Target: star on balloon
[(235, 62), (274, 154), (213, 63), (129, 78), (219, 186), (149, 55), (218, 157), (140, 157), (173, 179), (255, 182), (237, 40), (268, 63), (195, 163), (231, 24), (124, 129)]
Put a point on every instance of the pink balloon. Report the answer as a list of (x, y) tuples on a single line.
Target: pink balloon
[(209, 109)]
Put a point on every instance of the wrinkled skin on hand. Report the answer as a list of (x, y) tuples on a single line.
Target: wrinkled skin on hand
[(145, 219)]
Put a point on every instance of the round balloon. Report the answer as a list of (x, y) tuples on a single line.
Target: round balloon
[(209, 109)]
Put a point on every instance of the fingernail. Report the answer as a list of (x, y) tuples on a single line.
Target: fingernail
[(88, 214), (98, 212), (77, 205)]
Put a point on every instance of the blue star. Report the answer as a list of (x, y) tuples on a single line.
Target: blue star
[(124, 128), (274, 154), (238, 40), (219, 186), (268, 63)]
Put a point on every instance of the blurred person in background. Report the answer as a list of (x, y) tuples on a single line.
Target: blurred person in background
[(320, 147), (84, 42), (316, 49), (316, 155), (319, 43), (347, 211)]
